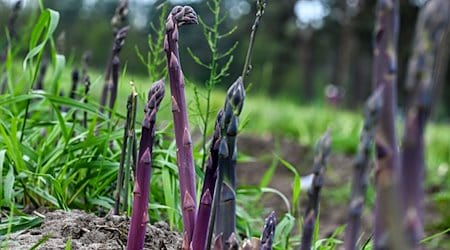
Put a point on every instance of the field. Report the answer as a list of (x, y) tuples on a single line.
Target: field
[(75, 166)]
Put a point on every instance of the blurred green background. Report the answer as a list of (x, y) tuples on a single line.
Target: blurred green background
[(303, 45)]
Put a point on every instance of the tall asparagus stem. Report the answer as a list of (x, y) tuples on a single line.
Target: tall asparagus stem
[(141, 191), (360, 169), (268, 232), (204, 210), (320, 161), (220, 219), (180, 16), (387, 218), (127, 146), (425, 73), (226, 213)]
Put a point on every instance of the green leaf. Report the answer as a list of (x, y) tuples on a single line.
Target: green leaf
[(68, 244), (43, 30), (267, 177), (9, 184), (283, 231), (40, 242), (296, 185)]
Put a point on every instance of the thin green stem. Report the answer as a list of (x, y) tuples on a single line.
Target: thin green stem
[(261, 5)]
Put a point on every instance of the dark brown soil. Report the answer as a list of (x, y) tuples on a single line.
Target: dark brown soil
[(336, 190), (87, 231)]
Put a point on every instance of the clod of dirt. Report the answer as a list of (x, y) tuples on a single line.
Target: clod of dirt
[(87, 231)]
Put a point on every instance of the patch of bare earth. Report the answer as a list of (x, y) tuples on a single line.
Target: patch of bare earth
[(336, 190), (87, 231)]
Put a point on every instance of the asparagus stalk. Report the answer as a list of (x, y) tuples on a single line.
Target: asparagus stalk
[(119, 35), (204, 210), (320, 161), (180, 16), (113, 64), (387, 218), (223, 216), (115, 83), (268, 232), (87, 83), (360, 169), (73, 90), (141, 191), (226, 182), (425, 74), (128, 138)]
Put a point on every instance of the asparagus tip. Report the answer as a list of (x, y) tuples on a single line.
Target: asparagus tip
[(268, 231)]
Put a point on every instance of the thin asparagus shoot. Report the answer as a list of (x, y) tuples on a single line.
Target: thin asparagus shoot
[(323, 150), (128, 138), (261, 6), (361, 169)]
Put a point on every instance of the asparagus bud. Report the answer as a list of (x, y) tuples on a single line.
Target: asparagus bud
[(268, 232)]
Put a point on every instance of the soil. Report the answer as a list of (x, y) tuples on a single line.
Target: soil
[(87, 231), (336, 189)]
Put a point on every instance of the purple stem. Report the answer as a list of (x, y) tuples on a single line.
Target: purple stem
[(139, 217), (312, 211), (204, 210), (185, 160), (361, 169), (387, 220), (268, 232), (424, 77)]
